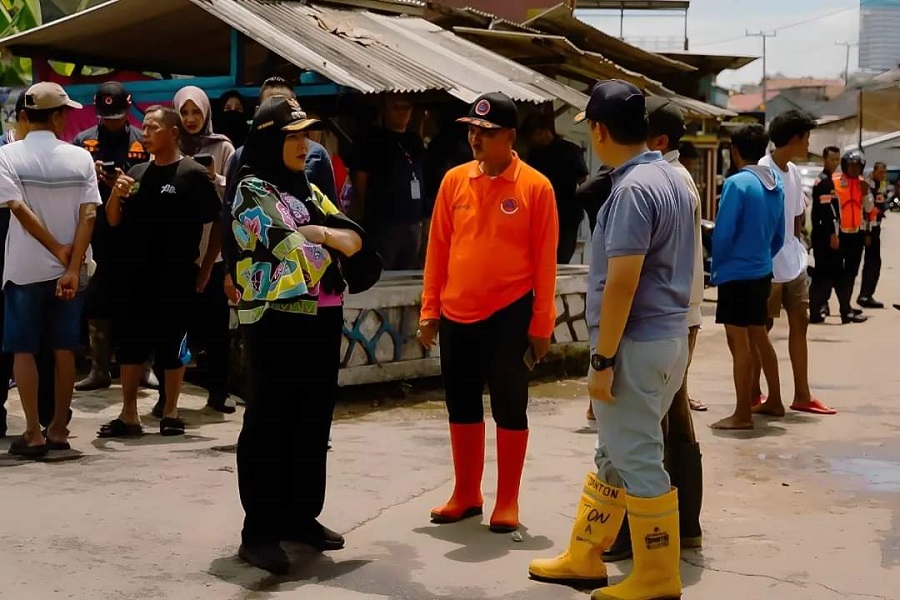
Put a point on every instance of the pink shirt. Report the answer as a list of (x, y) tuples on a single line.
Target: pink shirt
[(328, 300)]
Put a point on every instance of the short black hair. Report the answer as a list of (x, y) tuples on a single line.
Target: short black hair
[(42, 116), (20, 102), (274, 83), (168, 115), (829, 150), (789, 125), (536, 122), (628, 133), (751, 142)]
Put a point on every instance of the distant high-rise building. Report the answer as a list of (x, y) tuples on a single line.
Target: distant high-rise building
[(879, 42)]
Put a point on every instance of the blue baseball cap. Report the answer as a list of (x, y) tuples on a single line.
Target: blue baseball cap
[(614, 100)]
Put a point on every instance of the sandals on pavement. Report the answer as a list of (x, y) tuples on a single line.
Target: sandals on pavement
[(171, 426), (815, 407), (117, 428), (53, 445), (697, 405), (21, 448)]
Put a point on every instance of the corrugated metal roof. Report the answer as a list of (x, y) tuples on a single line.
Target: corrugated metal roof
[(380, 53)]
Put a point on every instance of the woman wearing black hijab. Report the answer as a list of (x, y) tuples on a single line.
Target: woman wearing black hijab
[(284, 248)]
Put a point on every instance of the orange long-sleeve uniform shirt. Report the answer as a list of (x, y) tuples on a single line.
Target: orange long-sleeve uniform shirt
[(492, 241)]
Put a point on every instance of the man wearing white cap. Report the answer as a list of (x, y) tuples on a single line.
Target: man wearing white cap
[(51, 188)]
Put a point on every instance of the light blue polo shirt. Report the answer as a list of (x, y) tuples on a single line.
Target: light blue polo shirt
[(649, 212)]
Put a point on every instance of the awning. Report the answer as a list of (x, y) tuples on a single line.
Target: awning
[(373, 52), (356, 48), (559, 54), (560, 21)]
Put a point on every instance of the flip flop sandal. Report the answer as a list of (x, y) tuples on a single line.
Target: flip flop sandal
[(52, 445), (697, 406), (815, 407), (171, 426), (117, 428), (21, 448)]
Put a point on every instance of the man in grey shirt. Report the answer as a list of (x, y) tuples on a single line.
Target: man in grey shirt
[(639, 291)]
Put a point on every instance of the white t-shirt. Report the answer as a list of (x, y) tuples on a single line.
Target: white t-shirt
[(695, 317), (53, 179), (793, 259)]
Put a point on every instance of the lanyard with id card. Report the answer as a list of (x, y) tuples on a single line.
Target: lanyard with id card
[(415, 186)]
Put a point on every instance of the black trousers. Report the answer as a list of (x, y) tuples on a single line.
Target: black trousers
[(852, 245), (872, 266), (283, 446), (488, 352), (46, 365), (568, 242), (209, 330), (827, 275)]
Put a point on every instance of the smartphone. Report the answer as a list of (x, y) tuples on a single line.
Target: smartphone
[(204, 159), (530, 359), (109, 168)]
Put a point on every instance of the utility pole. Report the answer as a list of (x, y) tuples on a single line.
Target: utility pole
[(848, 45), (765, 88)]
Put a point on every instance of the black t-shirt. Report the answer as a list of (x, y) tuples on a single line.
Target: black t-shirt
[(593, 193), (393, 161), (826, 216), (562, 162), (162, 224)]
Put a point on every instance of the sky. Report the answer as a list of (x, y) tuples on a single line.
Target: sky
[(719, 27)]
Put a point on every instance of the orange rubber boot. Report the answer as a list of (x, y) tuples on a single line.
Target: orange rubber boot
[(467, 447), (511, 446)]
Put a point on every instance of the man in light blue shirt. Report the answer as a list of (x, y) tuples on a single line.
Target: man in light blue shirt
[(639, 291)]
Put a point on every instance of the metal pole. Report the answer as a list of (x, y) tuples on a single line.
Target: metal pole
[(622, 21), (765, 87), (859, 137), (848, 45), (685, 31)]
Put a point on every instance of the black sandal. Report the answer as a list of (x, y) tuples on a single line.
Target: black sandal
[(117, 428), (171, 426), (21, 448), (54, 445)]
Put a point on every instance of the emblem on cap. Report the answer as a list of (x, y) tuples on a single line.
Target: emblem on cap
[(482, 108), (509, 206), (108, 100)]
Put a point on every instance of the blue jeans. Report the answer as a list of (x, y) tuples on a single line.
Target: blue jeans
[(35, 318), (629, 451)]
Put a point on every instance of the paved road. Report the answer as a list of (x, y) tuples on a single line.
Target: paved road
[(803, 508)]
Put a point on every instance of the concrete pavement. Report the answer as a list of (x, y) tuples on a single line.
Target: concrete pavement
[(802, 508)]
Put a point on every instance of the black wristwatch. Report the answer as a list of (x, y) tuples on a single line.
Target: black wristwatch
[(601, 363)]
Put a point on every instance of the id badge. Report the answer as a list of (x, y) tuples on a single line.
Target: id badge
[(415, 189)]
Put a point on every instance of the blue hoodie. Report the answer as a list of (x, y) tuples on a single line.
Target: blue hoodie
[(749, 226)]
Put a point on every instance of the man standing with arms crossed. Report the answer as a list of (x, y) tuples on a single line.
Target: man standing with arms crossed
[(489, 288), (789, 133), (51, 188), (639, 290)]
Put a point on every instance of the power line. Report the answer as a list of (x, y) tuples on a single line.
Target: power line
[(782, 28)]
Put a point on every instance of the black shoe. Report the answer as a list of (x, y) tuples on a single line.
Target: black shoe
[(869, 302), (853, 318), (268, 557), (855, 312), (621, 548), (159, 409), (816, 320), (318, 536), (221, 405), (826, 311)]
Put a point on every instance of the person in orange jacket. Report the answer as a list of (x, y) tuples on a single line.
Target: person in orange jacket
[(489, 288)]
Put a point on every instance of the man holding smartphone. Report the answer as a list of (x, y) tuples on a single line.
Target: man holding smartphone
[(492, 300), (114, 144)]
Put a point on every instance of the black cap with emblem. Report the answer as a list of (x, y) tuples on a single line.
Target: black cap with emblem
[(111, 100), (283, 114), (495, 110)]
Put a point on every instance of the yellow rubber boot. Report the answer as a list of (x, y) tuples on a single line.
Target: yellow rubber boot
[(655, 540), (599, 517)]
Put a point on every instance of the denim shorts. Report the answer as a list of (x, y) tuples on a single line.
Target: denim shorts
[(35, 319)]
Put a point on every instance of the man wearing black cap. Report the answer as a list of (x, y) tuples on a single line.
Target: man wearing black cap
[(495, 317), (682, 452), (639, 290), (113, 144)]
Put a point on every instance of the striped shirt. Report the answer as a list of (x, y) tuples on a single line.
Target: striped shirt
[(53, 179)]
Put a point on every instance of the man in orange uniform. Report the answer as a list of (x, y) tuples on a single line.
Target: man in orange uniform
[(489, 287), (852, 192)]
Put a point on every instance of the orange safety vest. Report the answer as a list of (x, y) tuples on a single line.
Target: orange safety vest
[(850, 196)]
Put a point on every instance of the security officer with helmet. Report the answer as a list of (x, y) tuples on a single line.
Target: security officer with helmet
[(115, 146), (839, 230)]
